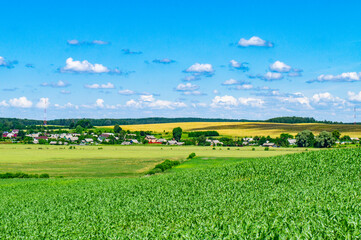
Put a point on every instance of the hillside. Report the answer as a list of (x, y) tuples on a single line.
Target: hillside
[(250, 128)]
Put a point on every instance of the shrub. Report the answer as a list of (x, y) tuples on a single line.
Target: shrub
[(253, 149), (266, 148), (192, 155), (44, 175)]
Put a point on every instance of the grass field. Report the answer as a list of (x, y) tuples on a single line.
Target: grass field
[(111, 161), (249, 128), (314, 195)]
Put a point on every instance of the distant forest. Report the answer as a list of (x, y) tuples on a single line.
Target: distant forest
[(16, 123)]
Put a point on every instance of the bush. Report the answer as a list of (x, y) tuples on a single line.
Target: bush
[(23, 175), (253, 149), (192, 155), (167, 164), (154, 171), (266, 148), (44, 175)]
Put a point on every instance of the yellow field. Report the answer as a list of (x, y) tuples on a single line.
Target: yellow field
[(248, 128)]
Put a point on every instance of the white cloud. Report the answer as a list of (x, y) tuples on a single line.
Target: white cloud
[(225, 101), (148, 101), (191, 78), (83, 67), (343, 77), (75, 42), (100, 86), (187, 87), (4, 104), (164, 61), (230, 101), (201, 68), (21, 102), (278, 66), (67, 105), (352, 96), (253, 102), (7, 63), (43, 103), (298, 98), (270, 76), (194, 93), (238, 65), (65, 92), (327, 98), (58, 84), (99, 103), (231, 82), (215, 91), (244, 87), (126, 92), (254, 41)]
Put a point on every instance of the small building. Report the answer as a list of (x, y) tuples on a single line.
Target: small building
[(134, 141), (151, 139), (126, 143), (292, 141), (269, 144), (172, 142), (53, 143), (89, 140)]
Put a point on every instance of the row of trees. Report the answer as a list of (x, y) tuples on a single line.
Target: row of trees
[(324, 140)]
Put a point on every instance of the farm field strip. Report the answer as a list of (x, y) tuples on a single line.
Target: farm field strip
[(243, 129), (103, 161)]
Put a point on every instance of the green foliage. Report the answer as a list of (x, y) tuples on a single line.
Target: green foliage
[(192, 155), (336, 134), (204, 133), (177, 133), (324, 140), (266, 148), (305, 139), (167, 164), (117, 129), (313, 195), (23, 175), (201, 140)]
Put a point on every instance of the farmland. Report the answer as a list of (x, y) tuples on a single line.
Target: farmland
[(243, 129), (307, 195), (111, 161)]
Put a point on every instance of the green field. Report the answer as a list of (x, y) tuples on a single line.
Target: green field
[(111, 161), (313, 195)]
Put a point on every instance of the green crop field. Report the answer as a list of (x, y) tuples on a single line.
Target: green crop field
[(110, 161), (313, 195)]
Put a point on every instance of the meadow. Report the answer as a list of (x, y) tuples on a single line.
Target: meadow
[(111, 161), (313, 195), (243, 129)]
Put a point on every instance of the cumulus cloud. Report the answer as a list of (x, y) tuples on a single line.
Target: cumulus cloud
[(4, 104), (355, 97), (231, 82), (148, 101), (271, 76), (202, 68), (230, 101), (100, 86), (254, 42), (72, 66), (238, 65), (43, 103), (75, 42), (343, 77), (128, 52), (187, 87), (245, 86), (99, 103), (127, 92), (58, 84), (6, 63), (21, 102), (281, 67), (163, 61), (193, 93), (67, 105)]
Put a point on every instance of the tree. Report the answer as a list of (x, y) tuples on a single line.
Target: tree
[(79, 129), (84, 123), (201, 140), (336, 134), (325, 140), (177, 133), (117, 129), (305, 139)]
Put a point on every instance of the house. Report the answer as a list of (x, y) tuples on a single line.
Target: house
[(88, 140), (125, 143), (162, 140), (151, 139), (134, 141), (53, 143), (216, 142), (172, 142), (292, 141), (268, 144), (42, 137)]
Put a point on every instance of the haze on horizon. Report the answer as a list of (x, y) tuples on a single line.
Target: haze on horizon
[(211, 59)]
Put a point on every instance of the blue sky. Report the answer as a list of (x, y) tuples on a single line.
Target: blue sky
[(228, 59)]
